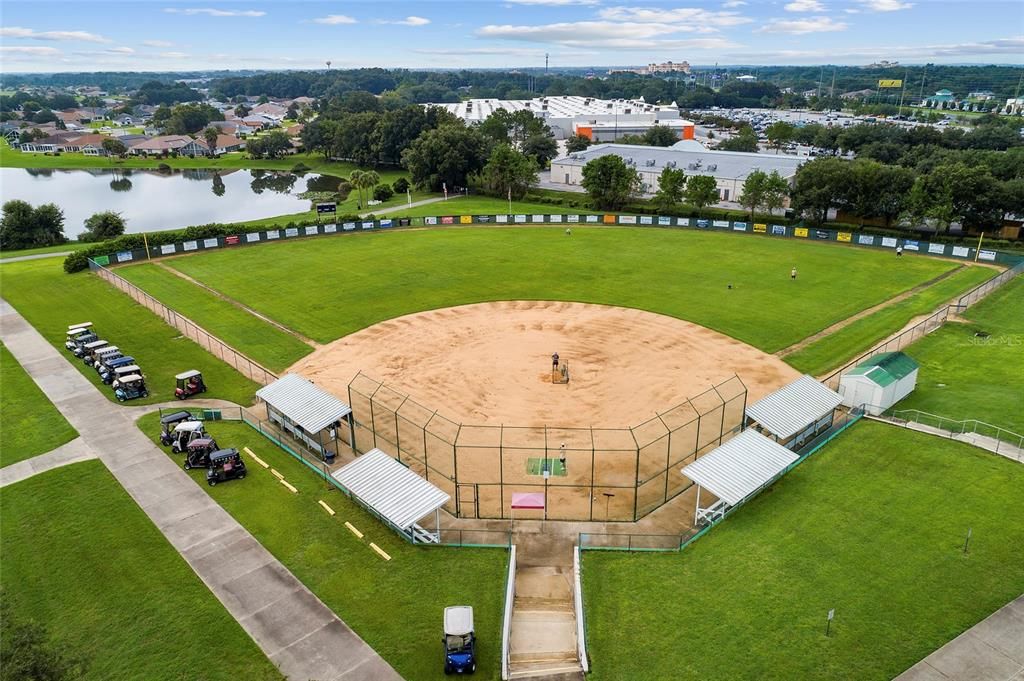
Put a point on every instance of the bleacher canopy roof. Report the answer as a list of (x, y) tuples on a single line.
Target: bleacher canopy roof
[(793, 407), (390, 489), (738, 468), (303, 403)]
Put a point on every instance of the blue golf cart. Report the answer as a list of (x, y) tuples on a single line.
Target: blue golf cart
[(459, 640)]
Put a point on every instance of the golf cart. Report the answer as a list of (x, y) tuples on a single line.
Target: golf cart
[(79, 335), (197, 455), (224, 464), (132, 386), (87, 350), (189, 383), (184, 433), (106, 369), (121, 372), (459, 640), (168, 422), (103, 354)]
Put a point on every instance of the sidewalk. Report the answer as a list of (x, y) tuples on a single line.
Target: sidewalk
[(296, 631), (404, 206), (991, 650)]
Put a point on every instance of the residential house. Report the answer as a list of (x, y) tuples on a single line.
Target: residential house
[(11, 133), (162, 145), (124, 120), (295, 130), (941, 99), (272, 110), (226, 143), (260, 121), (235, 127)]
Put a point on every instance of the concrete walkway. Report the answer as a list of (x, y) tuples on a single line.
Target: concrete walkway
[(992, 650), (67, 453), (291, 625), (991, 444), (414, 204)]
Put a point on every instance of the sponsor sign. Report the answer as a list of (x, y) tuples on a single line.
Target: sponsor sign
[(501, 218), (210, 243), (721, 223), (368, 224), (888, 242), (662, 220), (386, 222), (538, 218), (779, 230), (311, 230), (822, 234), (593, 218), (865, 239), (190, 246), (291, 231), (520, 218), (326, 208), (800, 232), (961, 251), (231, 240), (102, 260), (760, 228), (404, 222), (465, 219), (844, 236), (349, 226), (124, 256), (430, 221), (627, 219), (938, 249), (739, 226), (330, 229), (252, 237), (166, 249), (554, 218), (483, 218), (572, 218), (646, 220), (609, 219), (911, 246), (703, 223), (890, 83), (448, 220), (986, 255)]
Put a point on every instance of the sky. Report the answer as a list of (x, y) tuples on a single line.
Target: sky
[(155, 35)]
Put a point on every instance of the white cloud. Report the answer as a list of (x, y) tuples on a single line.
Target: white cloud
[(805, 6), (556, 3), (83, 36), (193, 11), (733, 3), (583, 33), (852, 10), (409, 21), (986, 48), (885, 5), (689, 18), (157, 43), (173, 55), (802, 26), (335, 19), (121, 50), (501, 51), (29, 51)]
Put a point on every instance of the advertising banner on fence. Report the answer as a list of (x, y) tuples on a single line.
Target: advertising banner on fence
[(911, 246), (102, 260), (739, 226), (609, 219), (779, 230), (866, 239), (368, 224), (124, 256), (252, 237), (167, 249), (684, 222), (520, 218), (937, 249), (231, 240), (844, 236), (478, 218), (593, 218), (822, 234), (572, 218), (986, 255), (888, 242), (554, 218), (189, 245), (760, 228), (210, 243), (330, 229), (430, 221), (501, 218), (703, 224), (349, 226), (961, 251), (800, 232), (311, 230), (662, 220), (463, 220), (448, 220), (627, 219), (538, 218), (386, 223), (291, 231), (721, 223), (646, 220)]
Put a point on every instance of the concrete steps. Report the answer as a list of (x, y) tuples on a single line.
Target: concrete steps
[(543, 635)]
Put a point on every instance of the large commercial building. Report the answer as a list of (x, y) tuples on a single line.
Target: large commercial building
[(598, 119), (729, 168)]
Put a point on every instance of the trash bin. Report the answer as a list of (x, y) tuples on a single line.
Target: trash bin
[(328, 457)]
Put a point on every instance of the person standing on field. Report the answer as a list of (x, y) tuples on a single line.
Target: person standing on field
[(899, 251), (554, 362), (792, 273)]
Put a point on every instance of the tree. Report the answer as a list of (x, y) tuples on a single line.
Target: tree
[(671, 186), (541, 148), (114, 146), (660, 136), (701, 191), (27, 652), (241, 111), (272, 145), (774, 192), (753, 192), (363, 180), (744, 140), (23, 227), (382, 192), (507, 171), (401, 185), (319, 136), (610, 182), (780, 133), (577, 143), (218, 187), (210, 135), (446, 156), (186, 119), (103, 226), (820, 184)]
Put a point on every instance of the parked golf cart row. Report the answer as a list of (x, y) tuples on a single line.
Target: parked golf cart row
[(184, 434), (115, 368)]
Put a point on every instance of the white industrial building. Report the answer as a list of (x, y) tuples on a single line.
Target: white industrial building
[(570, 115), (729, 168)]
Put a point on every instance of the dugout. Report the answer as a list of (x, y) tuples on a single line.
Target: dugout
[(393, 493), (736, 471), (312, 416), (794, 413), (879, 382)]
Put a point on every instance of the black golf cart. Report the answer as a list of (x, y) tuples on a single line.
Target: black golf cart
[(168, 422), (109, 353), (78, 335), (197, 454), (132, 387), (88, 350), (224, 464), (108, 367), (189, 383)]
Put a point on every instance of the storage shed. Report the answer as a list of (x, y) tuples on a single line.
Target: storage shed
[(795, 413), (310, 414), (879, 382)]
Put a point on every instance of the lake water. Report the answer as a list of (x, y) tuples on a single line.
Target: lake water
[(151, 201)]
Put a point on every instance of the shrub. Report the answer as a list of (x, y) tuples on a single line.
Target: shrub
[(300, 167), (401, 185), (382, 192), (164, 168)]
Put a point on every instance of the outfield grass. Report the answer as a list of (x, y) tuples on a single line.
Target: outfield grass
[(50, 300), (873, 526), (395, 606), (378, 276), (845, 344), (966, 377), (263, 342), (81, 558), (29, 423)]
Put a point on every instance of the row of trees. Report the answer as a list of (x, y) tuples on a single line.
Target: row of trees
[(22, 226)]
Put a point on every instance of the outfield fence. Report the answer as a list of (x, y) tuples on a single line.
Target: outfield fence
[(929, 324), (215, 346), (613, 474)]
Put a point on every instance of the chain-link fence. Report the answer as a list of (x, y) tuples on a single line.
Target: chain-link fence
[(614, 474)]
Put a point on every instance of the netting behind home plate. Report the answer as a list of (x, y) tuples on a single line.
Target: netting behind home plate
[(592, 473)]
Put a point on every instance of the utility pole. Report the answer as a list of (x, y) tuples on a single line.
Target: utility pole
[(821, 75), (546, 55), (903, 90)]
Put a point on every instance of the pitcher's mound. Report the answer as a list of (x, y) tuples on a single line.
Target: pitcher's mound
[(480, 363)]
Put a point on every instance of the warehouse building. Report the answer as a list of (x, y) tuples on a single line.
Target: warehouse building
[(566, 116), (729, 168)]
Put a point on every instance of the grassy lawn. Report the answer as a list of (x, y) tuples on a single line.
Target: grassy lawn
[(50, 300), (29, 423), (347, 207), (263, 342), (966, 377), (63, 248), (873, 526), (676, 272), (482, 205), (82, 559), (832, 350), (396, 606)]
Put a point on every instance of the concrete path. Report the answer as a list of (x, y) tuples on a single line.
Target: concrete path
[(992, 650), (991, 444), (414, 204), (69, 452), (291, 625)]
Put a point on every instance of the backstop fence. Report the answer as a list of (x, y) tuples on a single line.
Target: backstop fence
[(592, 473), (191, 330)]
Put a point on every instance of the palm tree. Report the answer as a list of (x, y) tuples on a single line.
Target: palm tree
[(370, 180), (356, 180)]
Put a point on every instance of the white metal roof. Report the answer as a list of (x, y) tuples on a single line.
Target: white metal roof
[(304, 403), (187, 374), (729, 165), (458, 620), (390, 489), (793, 407), (738, 468)]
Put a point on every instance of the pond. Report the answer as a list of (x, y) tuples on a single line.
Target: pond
[(150, 200)]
